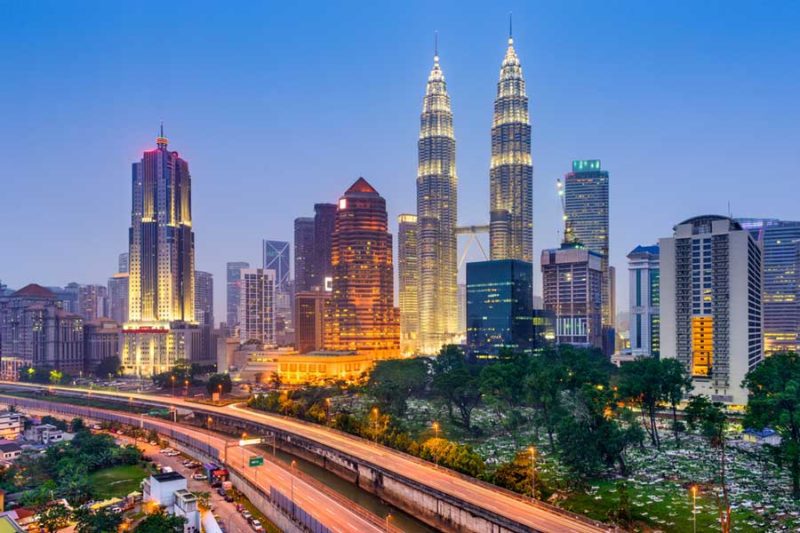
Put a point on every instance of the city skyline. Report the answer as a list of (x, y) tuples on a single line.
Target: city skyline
[(633, 146)]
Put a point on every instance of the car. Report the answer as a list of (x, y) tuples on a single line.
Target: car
[(173, 453), (239, 507), (153, 443), (221, 491), (165, 450), (200, 477), (228, 498), (246, 515), (256, 525), (187, 463), (167, 470)]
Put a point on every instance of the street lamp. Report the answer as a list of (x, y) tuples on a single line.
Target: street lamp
[(388, 521), (294, 464), (208, 423), (327, 410), (694, 508), (375, 414), (172, 379), (435, 427), (186, 386), (532, 450), (219, 388)]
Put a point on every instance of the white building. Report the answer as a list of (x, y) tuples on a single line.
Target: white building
[(44, 434), (711, 310), (9, 450), (11, 425), (169, 490), (643, 297), (257, 306)]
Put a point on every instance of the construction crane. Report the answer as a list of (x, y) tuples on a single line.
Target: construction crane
[(569, 234)]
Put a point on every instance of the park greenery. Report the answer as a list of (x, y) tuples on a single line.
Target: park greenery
[(573, 422)]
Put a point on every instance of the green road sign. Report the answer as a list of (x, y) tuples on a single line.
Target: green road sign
[(256, 461)]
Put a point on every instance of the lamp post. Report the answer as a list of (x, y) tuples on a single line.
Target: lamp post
[(208, 423), (294, 464), (219, 388), (532, 450), (388, 522), (435, 427), (186, 386), (327, 410), (375, 414), (694, 508), (172, 379)]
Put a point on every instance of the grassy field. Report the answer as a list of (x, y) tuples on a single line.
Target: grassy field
[(118, 481)]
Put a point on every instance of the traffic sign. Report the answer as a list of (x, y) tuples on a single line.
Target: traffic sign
[(256, 460)]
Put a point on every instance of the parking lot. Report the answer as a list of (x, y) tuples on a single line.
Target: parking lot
[(228, 517)]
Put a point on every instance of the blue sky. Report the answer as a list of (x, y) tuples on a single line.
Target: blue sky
[(690, 106)]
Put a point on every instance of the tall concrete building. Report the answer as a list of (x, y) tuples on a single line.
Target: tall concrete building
[(408, 275), (711, 310), (233, 290), (324, 224), (499, 307), (123, 263), (276, 256), (586, 208), (309, 320), (161, 282), (437, 210), (257, 306), (361, 315), (93, 302), (644, 293), (204, 298), (35, 331), (780, 240), (572, 282), (118, 297), (511, 167), (303, 253)]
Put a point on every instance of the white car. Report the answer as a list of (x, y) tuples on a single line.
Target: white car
[(200, 477)]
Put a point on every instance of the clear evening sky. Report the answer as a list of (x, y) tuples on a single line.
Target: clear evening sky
[(690, 105)]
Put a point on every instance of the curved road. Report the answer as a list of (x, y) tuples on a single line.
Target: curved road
[(537, 517)]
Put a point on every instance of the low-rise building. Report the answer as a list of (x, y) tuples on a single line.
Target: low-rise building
[(44, 434), (161, 488), (9, 450), (11, 425), (294, 368)]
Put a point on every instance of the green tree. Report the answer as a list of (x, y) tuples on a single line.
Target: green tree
[(544, 384), (457, 382), (109, 366), (459, 457), (53, 517), (219, 379), (502, 387), (392, 381), (642, 382), (55, 377), (78, 425), (676, 384), (774, 402), (100, 521), (517, 474), (161, 522)]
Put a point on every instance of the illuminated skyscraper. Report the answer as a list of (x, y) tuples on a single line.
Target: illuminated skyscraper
[(324, 223), (408, 276), (257, 305), (204, 298), (711, 308), (361, 315), (161, 255), (511, 167), (233, 292), (276, 257), (303, 253), (586, 208), (437, 199)]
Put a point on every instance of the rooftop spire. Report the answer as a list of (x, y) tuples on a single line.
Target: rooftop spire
[(161, 141), (436, 46), (510, 28)]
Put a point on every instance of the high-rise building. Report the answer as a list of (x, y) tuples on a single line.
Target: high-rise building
[(123, 263), (324, 223), (233, 291), (161, 282), (462, 310), (35, 331), (100, 341), (118, 297), (711, 311), (257, 306), (204, 298), (437, 216), (644, 293), (309, 320), (93, 302), (408, 276), (780, 240), (572, 282), (586, 211), (499, 307), (362, 315), (303, 253), (276, 257), (511, 167)]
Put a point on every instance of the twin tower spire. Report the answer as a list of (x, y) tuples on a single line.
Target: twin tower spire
[(510, 184)]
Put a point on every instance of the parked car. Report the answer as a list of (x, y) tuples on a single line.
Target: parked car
[(246, 515), (256, 525), (199, 477), (228, 498)]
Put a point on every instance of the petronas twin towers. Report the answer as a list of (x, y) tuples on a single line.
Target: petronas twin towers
[(511, 213)]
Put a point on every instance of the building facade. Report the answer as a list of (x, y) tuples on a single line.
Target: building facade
[(309, 320), (118, 297), (362, 316), (499, 307), (324, 224), (408, 276), (122, 262), (276, 257), (572, 292), (161, 256), (233, 290), (93, 302), (100, 341), (780, 240), (711, 310), (303, 253), (644, 294), (437, 216), (257, 306), (511, 167), (204, 298)]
